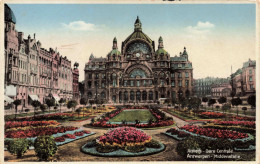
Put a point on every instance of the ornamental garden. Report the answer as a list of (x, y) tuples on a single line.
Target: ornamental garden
[(153, 132)]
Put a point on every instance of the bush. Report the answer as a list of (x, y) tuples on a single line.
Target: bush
[(135, 148), (153, 144), (45, 147), (18, 146), (106, 148), (183, 134)]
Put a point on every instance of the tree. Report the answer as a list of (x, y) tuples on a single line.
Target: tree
[(43, 108), (251, 100), (167, 102), (222, 100), (27, 110), (61, 101), (205, 99), (50, 103), (83, 101), (35, 104), (211, 102), (16, 102), (244, 109), (194, 103), (226, 107), (72, 104), (236, 102), (217, 107)]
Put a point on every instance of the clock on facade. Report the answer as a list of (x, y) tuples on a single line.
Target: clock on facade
[(137, 55)]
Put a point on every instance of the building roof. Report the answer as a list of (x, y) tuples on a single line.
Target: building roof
[(176, 58), (249, 63), (138, 34), (98, 59), (115, 51), (9, 15), (161, 51)]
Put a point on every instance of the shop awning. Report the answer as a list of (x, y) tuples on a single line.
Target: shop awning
[(8, 99), (56, 97), (10, 90), (34, 97)]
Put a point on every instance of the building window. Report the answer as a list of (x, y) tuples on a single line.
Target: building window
[(179, 75), (144, 82), (187, 82), (132, 83), (172, 75), (114, 64), (250, 78), (173, 83), (90, 76), (132, 96), (250, 71), (103, 85), (179, 65), (162, 64), (180, 83), (251, 86), (162, 83), (138, 83), (150, 95), (186, 74)]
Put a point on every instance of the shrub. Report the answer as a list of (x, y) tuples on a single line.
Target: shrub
[(45, 147), (106, 148), (153, 144), (135, 148), (173, 131), (18, 146)]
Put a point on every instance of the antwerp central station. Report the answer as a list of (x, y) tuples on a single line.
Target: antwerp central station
[(139, 73)]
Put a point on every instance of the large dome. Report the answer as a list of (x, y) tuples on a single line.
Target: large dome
[(138, 34), (9, 15)]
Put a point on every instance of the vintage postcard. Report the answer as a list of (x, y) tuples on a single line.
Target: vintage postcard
[(129, 81)]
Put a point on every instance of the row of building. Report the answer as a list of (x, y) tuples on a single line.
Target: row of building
[(35, 73), (242, 83)]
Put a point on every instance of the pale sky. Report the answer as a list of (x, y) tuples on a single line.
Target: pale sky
[(216, 35)]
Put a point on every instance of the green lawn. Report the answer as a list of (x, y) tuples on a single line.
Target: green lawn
[(132, 115)]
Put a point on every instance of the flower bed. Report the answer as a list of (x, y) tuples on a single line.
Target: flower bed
[(161, 120), (212, 115), (124, 136), (243, 118), (16, 124), (55, 116), (29, 133), (250, 124), (214, 133), (123, 141)]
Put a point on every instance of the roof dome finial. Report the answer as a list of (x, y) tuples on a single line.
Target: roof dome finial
[(114, 43)]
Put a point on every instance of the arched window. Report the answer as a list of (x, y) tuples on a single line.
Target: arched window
[(120, 96), (144, 95), (89, 95), (132, 96), (126, 96), (138, 96), (103, 95), (138, 72), (150, 95)]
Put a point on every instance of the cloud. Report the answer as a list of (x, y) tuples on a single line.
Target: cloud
[(80, 26), (200, 28)]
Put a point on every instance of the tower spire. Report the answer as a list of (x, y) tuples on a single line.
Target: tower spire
[(138, 24), (114, 43), (160, 42)]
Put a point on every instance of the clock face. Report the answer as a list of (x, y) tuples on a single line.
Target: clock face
[(147, 56), (138, 55), (137, 47)]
